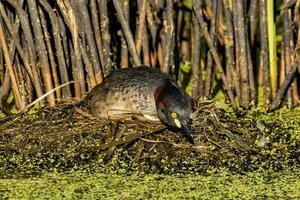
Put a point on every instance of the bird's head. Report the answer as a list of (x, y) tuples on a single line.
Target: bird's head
[(174, 108)]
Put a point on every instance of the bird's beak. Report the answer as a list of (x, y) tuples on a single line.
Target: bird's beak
[(186, 126), (187, 131), (177, 123)]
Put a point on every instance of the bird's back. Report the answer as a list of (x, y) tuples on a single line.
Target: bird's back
[(126, 91)]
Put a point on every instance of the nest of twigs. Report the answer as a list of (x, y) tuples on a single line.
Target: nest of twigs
[(67, 136)]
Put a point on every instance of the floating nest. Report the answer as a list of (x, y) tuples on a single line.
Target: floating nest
[(67, 137)]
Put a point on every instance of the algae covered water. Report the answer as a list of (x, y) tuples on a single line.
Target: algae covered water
[(216, 185)]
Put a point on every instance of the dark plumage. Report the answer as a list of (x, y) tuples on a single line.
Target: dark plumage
[(143, 91)]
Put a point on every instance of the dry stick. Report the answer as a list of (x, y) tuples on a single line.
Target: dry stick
[(46, 94), (124, 51), (50, 53), (21, 75), (77, 71), (281, 67), (239, 9), (249, 42), (151, 24), (127, 33), (153, 32), (86, 37), (31, 50), (264, 50), (295, 86), (229, 50), (289, 76), (26, 88), (251, 75), (64, 39), (86, 62), (212, 32), (253, 13), (287, 37), (169, 34), (41, 49), (197, 82), (298, 36), (102, 5), (161, 44), (287, 50), (15, 85), (183, 47), (146, 51), (236, 52), (128, 138), (82, 42), (297, 19), (180, 22), (15, 41), (29, 82), (96, 29), (124, 48), (141, 24), (182, 44), (4, 92), (174, 47), (284, 86), (82, 46), (206, 35), (58, 47), (116, 135), (91, 44)]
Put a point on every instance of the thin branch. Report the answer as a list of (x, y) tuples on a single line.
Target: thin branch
[(206, 35)]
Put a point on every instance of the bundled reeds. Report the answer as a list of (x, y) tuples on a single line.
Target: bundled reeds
[(210, 47)]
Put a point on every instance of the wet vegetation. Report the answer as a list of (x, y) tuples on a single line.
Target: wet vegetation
[(220, 185), (65, 138)]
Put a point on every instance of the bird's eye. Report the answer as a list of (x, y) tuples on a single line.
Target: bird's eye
[(174, 115)]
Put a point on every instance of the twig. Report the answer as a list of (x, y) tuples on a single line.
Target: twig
[(287, 50), (284, 86), (129, 138), (96, 29), (46, 94), (58, 46), (41, 50), (197, 71), (169, 34), (98, 77), (141, 24), (206, 35), (127, 33), (124, 61), (229, 50), (31, 50), (264, 50), (213, 34), (242, 59), (105, 35), (15, 85)]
